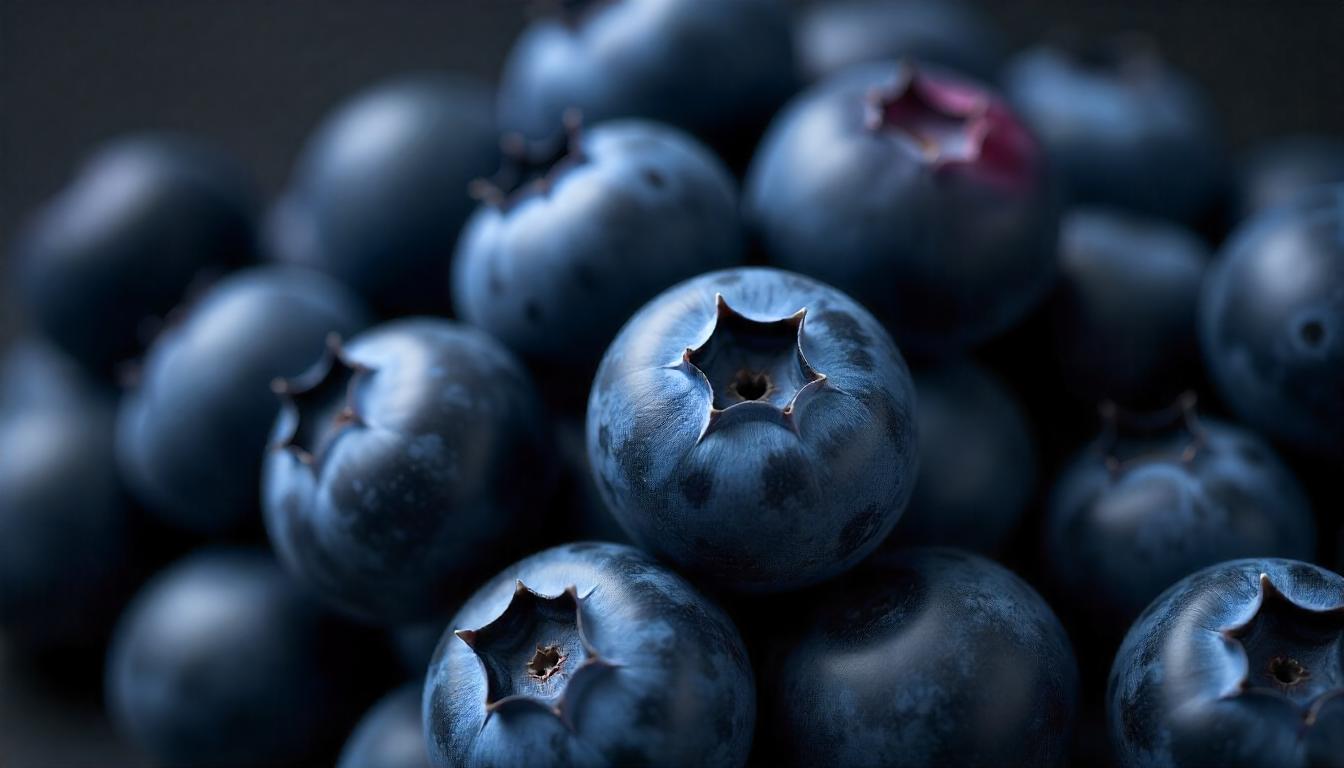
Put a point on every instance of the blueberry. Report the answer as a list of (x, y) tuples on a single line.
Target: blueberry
[(147, 220), (1271, 322), (390, 735), (1139, 509), (392, 483), (1123, 127), (221, 660), (834, 36), (190, 439), (1277, 172), (916, 191), (589, 654), (718, 70), (754, 427), (1124, 309), (1236, 665), (569, 243), (380, 193), (928, 657), (977, 467)]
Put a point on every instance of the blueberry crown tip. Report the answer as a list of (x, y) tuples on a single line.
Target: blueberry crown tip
[(319, 403), (1119, 423), (944, 123), (531, 167)]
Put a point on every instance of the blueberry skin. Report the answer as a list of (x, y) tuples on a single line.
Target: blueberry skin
[(946, 253), (754, 505), (190, 439), (1125, 129), (977, 467), (146, 219), (555, 273), (928, 657), (716, 70), (390, 735), (834, 36), (222, 660), (1114, 539), (1271, 322), (379, 195), (70, 537), (1125, 306), (35, 373), (1176, 697), (393, 514), (1277, 172), (682, 692)]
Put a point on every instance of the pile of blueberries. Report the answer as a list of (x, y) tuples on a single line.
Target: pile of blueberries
[(826, 387)]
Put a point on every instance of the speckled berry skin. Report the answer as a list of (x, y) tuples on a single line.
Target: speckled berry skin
[(1277, 172), (190, 438), (222, 660), (379, 195), (834, 36), (916, 191), (1112, 344), (1123, 127), (391, 484), (555, 268), (759, 494), (718, 70), (147, 219), (390, 735), (674, 686), (1272, 322), (929, 657), (1212, 672), (1130, 516)]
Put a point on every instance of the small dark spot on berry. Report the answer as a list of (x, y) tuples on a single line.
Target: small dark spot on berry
[(654, 178), (533, 312), (1312, 333)]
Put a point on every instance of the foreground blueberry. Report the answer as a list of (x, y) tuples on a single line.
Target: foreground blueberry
[(589, 655), (977, 467), (406, 466), (718, 70), (568, 244), (929, 657), (146, 220), (917, 192), (190, 439), (1272, 322), (755, 427), (221, 660), (834, 36), (1237, 665), (1279, 171), (1125, 128), (1140, 509), (390, 735), (380, 193), (1124, 309)]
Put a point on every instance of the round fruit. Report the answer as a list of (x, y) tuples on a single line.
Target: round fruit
[(1236, 665), (406, 466), (1277, 172), (191, 438), (929, 657), (1272, 322), (147, 220), (1137, 511), (390, 735), (570, 242), (754, 427), (589, 655), (380, 193), (917, 192)]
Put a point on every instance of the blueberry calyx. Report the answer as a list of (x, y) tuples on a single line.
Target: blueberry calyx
[(1292, 652), (536, 653), (1118, 423), (754, 369), (944, 125), (529, 168), (318, 405)]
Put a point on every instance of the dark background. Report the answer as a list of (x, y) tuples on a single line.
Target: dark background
[(253, 76)]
